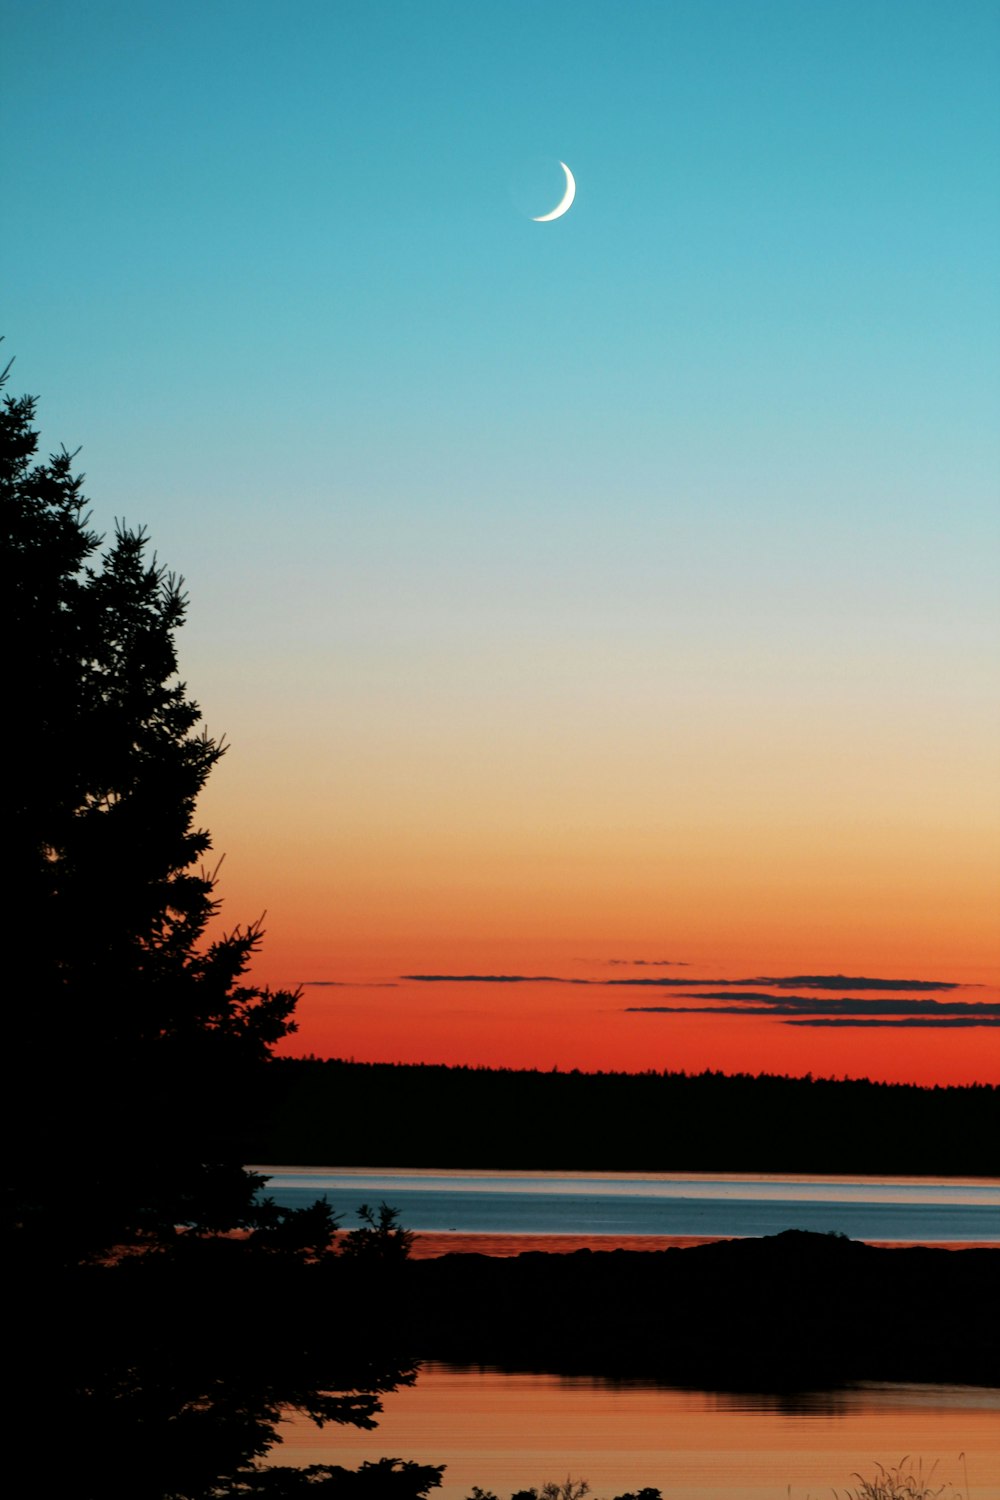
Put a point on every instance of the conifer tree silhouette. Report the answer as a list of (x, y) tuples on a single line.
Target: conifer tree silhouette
[(134, 1047), (126, 1027)]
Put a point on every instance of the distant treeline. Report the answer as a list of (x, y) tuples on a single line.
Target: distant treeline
[(314, 1112)]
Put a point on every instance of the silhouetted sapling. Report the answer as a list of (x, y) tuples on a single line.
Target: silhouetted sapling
[(379, 1237)]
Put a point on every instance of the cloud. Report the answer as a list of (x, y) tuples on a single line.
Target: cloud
[(726, 997), (661, 981), (797, 981), (348, 984), (841, 1005), (744, 1000), (798, 1005), (801, 1010), (908, 1021), (495, 979), (651, 963), (687, 982), (843, 982)]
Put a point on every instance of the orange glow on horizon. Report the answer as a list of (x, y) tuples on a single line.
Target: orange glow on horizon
[(366, 880), (531, 1029)]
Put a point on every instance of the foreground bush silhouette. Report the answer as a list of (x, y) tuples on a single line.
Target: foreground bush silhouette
[(905, 1481), (388, 1479), (379, 1237)]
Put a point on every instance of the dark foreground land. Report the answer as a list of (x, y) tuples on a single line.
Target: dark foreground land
[(162, 1377), (323, 1113), (788, 1311)]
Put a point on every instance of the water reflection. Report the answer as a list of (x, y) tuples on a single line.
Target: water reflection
[(506, 1431)]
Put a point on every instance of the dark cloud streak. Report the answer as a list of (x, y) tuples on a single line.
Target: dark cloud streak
[(842, 1005), (496, 979), (348, 984), (687, 982), (888, 1021), (796, 981), (845, 982), (798, 1006), (799, 1010), (651, 963)]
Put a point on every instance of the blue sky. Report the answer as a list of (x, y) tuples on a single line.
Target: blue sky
[(257, 250), (781, 239)]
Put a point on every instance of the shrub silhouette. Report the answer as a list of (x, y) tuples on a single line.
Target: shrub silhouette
[(379, 1238)]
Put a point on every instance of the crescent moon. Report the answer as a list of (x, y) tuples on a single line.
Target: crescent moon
[(565, 203)]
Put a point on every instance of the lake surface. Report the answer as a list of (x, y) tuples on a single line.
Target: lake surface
[(506, 1432), (893, 1209), (509, 1431)]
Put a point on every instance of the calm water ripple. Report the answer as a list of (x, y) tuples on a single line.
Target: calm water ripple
[(906, 1210)]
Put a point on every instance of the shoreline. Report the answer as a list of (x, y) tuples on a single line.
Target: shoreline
[(431, 1244)]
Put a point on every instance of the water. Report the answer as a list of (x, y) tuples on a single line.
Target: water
[(510, 1431), (895, 1209), (506, 1432)]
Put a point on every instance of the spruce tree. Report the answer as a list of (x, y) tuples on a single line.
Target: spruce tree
[(129, 1029)]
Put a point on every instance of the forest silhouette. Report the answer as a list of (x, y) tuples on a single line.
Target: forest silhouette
[(314, 1112)]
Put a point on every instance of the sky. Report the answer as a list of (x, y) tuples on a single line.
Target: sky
[(607, 599)]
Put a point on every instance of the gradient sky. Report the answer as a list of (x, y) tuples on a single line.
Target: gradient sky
[(618, 588)]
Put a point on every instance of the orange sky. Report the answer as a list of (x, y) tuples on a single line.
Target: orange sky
[(359, 896)]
